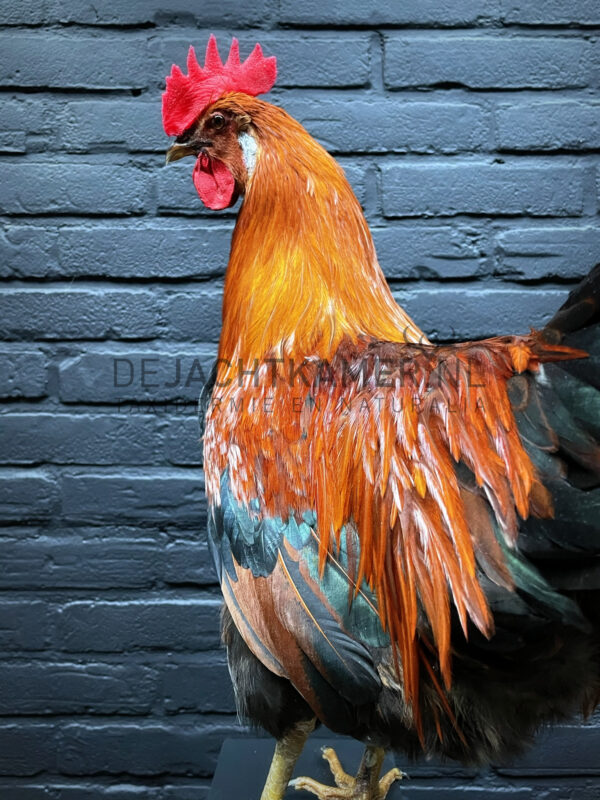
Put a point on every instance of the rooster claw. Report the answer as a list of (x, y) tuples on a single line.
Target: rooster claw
[(363, 787)]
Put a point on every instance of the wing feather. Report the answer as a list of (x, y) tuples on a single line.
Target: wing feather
[(429, 470)]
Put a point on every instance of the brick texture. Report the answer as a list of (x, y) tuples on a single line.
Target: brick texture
[(470, 132)]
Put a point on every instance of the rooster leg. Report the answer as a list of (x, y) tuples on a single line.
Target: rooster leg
[(340, 777), (366, 785), (287, 751)]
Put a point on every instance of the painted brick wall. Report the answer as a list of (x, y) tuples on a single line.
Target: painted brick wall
[(470, 130)]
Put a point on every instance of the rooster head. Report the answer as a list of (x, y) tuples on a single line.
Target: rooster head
[(204, 110)]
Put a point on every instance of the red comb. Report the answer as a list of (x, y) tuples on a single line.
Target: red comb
[(187, 96)]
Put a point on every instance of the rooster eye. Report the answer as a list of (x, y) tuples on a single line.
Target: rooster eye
[(217, 121)]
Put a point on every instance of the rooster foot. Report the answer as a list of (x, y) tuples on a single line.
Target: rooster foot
[(365, 786)]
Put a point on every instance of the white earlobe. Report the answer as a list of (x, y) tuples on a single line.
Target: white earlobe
[(249, 147)]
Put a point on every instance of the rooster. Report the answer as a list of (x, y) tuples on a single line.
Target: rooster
[(406, 535)]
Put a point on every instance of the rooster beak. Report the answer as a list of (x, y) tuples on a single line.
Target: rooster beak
[(180, 150)]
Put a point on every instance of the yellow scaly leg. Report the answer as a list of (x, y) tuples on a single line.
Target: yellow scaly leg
[(287, 751)]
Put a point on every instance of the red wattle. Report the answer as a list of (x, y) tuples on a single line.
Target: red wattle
[(214, 183)]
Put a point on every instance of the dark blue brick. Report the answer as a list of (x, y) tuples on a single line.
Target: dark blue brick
[(49, 313), (80, 791), (136, 12), (155, 378), (21, 789), (466, 313), (27, 252), (564, 788), (188, 563), (53, 188), (23, 373), (176, 748), (13, 142), (551, 12), (420, 127), (75, 60), (430, 252), (203, 686), (24, 625), (195, 791), (388, 12), (100, 789), (141, 496), (161, 249), (29, 124), (488, 61), (480, 188), (131, 125), (80, 438), (31, 494), (156, 624), (26, 748), (560, 124), (183, 444), (534, 253), (67, 688), (194, 314), (73, 562), (190, 789)]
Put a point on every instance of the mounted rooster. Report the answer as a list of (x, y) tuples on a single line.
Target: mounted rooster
[(406, 535)]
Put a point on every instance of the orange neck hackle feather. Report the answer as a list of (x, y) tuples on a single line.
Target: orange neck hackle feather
[(303, 273)]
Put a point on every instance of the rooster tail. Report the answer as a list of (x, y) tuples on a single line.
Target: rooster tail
[(581, 308), (563, 414), (560, 425)]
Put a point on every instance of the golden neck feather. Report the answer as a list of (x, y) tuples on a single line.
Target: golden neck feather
[(303, 273)]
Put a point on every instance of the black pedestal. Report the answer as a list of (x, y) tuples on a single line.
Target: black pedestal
[(244, 763)]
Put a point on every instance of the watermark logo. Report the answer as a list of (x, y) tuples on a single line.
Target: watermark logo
[(172, 384)]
